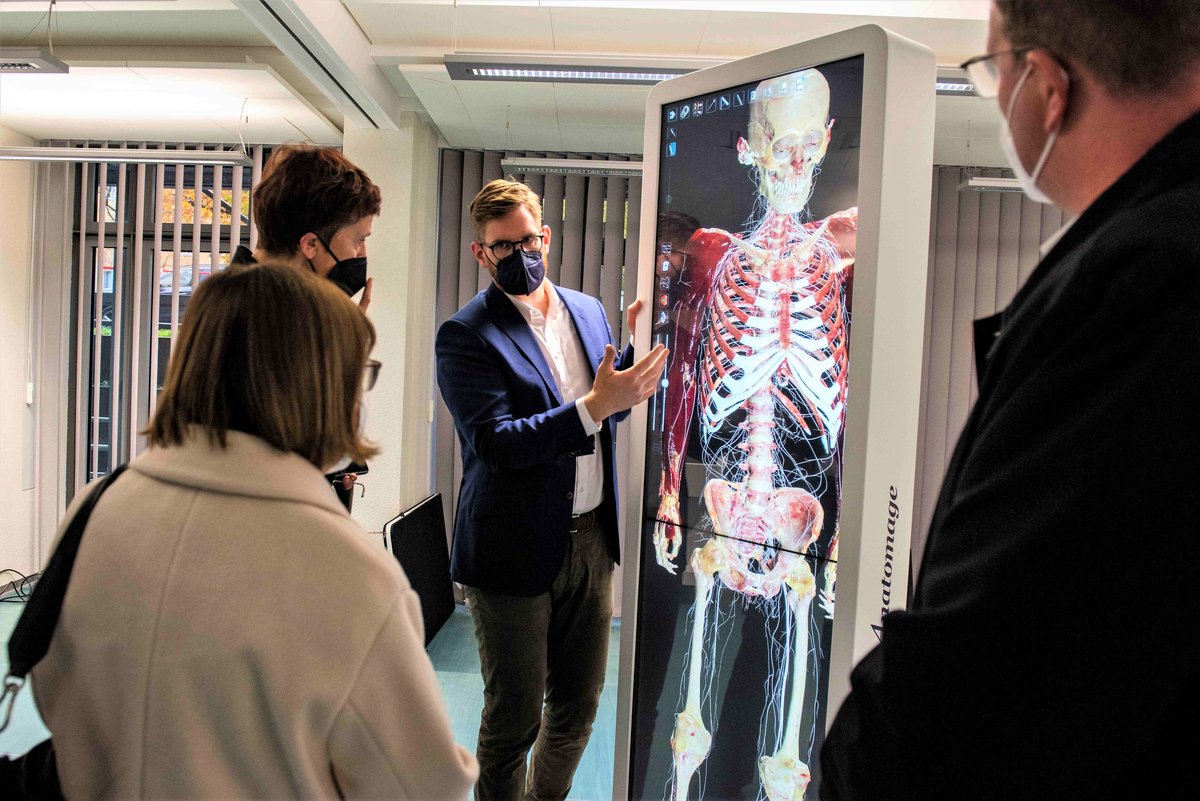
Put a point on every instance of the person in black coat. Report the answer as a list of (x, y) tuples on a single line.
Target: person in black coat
[(1049, 651)]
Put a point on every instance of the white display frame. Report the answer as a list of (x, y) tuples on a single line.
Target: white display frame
[(886, 339)]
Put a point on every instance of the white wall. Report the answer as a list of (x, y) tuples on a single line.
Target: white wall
[(402, 257), (17, 543)]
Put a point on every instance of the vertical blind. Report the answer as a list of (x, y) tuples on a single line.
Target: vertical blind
[(145, 236), (982, 248), (593, 222)]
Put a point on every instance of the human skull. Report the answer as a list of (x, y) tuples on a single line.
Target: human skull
[(787, 137)]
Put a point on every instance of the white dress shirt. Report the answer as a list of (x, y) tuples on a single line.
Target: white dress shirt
[(1049, 244), (556, 336)]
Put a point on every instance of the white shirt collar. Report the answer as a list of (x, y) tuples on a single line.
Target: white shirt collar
[(1049, 244), (531, 313)]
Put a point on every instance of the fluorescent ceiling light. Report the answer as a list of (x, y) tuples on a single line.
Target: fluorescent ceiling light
[(955, 88), (29, 61), (614, 70), (953, 81), (509, 68), (612, 169), (980, 184), (72, 6), (593, 75), (947, 9), (127, 155)]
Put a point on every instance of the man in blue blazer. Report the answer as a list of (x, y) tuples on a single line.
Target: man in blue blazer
[(531, 375)]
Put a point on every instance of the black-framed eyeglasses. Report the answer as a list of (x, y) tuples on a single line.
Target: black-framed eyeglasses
[(370, 374), (502, 249), (983, 72)]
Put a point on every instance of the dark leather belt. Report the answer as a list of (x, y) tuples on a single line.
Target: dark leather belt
[(583, 522)]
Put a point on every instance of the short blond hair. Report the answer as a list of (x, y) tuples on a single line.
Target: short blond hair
[(499, 199), (275, 353)]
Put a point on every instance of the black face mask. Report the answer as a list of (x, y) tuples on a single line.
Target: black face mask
[(349, 274), (520, 272)]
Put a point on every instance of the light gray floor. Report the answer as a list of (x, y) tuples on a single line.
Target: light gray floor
[(456, 660), (25, 730), (455, 657)]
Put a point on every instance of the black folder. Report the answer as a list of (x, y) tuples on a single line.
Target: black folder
[(417, 538)]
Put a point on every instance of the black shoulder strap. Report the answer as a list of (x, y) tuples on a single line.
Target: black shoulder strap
[(31, 638)]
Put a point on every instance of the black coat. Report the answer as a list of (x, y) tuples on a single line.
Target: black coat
[(1050, 649)]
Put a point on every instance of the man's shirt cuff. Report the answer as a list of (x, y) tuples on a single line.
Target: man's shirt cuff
[(590, 426)]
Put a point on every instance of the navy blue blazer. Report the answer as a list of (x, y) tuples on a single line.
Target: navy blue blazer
[(519, 443)]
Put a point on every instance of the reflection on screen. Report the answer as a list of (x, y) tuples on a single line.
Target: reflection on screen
[(754, 255)]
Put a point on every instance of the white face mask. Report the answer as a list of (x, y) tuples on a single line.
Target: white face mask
[(1027, 180)]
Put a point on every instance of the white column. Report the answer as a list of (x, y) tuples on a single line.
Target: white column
[(402, 258), (18, 545)]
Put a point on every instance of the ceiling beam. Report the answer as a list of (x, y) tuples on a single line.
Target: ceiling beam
[(325, 43)]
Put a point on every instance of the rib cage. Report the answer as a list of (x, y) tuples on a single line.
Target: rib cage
[(781, 322)]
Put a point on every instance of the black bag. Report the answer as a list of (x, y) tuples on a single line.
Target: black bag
[(34, 776)]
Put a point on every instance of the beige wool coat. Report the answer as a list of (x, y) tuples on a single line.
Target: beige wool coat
[(229, 632)]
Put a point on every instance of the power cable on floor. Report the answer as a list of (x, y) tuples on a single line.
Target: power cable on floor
[(19, 589)]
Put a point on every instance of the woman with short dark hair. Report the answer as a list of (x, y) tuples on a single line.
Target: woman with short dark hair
[(229, 631)]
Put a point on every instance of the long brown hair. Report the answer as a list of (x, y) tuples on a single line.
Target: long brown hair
[(274, 352)]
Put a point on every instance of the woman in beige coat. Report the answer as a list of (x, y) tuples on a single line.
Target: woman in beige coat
[(229, 631)]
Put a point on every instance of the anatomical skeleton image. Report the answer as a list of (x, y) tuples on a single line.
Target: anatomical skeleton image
[(763, 367)]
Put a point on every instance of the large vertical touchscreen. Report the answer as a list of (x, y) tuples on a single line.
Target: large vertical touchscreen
[(754, 265)]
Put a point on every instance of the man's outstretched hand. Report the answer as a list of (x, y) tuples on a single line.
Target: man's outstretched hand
[(614, 391)]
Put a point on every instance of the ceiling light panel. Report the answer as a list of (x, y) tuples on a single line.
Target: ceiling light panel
[(485, 69), (29, 61), (575, 68), (126, 155), (550, 166), (955, 88), (70, 6), (982, 184), (945, 9)]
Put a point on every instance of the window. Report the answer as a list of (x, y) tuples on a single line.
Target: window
[(145, 237)]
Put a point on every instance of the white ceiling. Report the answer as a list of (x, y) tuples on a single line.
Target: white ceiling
[(128, 22), (192, 103), (409, 40)]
